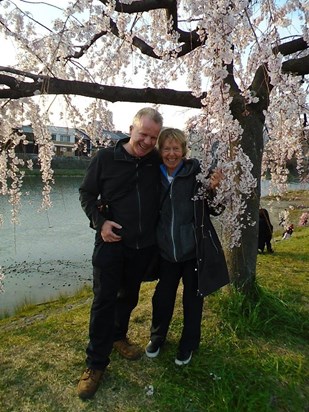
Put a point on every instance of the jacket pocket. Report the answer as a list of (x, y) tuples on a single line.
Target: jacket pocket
[(105, 254), (187, 238)]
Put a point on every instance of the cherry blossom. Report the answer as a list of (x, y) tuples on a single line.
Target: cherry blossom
[(243, 64)]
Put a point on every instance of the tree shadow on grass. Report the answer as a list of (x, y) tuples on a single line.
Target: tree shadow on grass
[(299, 256), (264, 314)]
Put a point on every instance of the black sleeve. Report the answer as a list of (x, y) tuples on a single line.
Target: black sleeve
[(89, 193)]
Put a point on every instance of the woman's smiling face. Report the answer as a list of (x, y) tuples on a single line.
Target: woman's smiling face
[(172, 154)]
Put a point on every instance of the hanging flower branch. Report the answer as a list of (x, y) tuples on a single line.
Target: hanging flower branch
[(236, 61)]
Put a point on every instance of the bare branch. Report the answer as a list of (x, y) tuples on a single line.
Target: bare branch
[(53, 86), (261, 82), (84, 48), (8, 81), (297, 66), (190, 40), (230, 79), (141, 6), (261, 85), (21, 73), (291, 47), (172, 13)]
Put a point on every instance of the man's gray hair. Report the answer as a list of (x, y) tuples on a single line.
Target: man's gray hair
[(149, 112)]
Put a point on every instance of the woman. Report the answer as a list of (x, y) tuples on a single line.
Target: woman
[(189, 248)]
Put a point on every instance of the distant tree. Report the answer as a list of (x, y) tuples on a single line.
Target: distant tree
[(244, 63)]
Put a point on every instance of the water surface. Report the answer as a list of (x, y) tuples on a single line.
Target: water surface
[(49, 252)]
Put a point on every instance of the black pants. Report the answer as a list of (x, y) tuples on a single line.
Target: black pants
[(163, 303), (117, 275)]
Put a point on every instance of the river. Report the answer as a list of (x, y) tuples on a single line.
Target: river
[(49, 252)]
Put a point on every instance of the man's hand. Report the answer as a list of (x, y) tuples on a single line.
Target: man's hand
[(108, 231)]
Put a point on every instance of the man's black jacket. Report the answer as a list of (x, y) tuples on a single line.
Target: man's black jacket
[(129, 186)]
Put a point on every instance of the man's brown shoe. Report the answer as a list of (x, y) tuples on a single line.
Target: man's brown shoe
[(127, 349), (89, 383)]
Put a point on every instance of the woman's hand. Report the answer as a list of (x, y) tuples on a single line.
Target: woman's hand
[(215, 178)]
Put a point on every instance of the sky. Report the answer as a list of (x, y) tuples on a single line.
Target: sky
[(173, 116), (123, 112)]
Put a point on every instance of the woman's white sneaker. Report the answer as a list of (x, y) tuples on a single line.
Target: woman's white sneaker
[(183, 357), (152, 349)]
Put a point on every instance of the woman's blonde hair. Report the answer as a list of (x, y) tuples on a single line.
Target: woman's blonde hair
[(171, 133)]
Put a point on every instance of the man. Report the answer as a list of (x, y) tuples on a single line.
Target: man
[(125, 180), (265, 231)]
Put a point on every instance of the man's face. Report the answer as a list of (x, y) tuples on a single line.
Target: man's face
[(143, 136)]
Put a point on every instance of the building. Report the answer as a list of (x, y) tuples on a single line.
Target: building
[(64, 139), (68, 141)]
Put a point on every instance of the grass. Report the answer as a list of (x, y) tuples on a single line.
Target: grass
[(296, 203), (253, 355)]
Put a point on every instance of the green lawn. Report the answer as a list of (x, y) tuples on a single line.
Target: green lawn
[(253, 355)]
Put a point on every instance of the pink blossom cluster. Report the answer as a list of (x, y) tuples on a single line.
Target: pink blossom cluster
[(91, 41), (304, 219)]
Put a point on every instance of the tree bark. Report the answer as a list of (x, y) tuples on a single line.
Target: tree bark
[(242, 260)]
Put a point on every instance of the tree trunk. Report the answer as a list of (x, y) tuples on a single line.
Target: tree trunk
[(242, 260)]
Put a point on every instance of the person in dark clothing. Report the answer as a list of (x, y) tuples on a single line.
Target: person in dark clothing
[(120, 196), (189, 247), (288, 232), (265, 231)]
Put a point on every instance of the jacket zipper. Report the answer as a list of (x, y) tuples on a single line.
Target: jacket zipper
[(198, 293), (212, 240), (139, 205), (172, 225)]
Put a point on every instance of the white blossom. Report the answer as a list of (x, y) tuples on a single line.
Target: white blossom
[(242, 34)]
